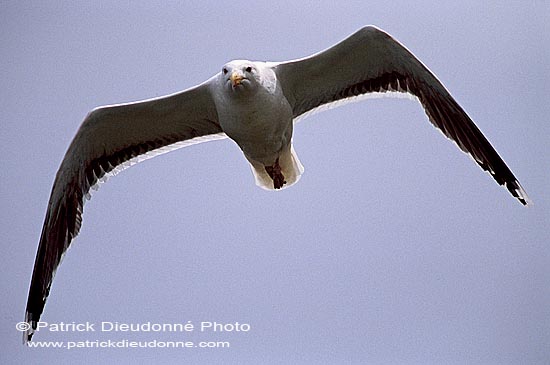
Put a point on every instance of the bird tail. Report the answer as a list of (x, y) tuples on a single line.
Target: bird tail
[(291, 168)]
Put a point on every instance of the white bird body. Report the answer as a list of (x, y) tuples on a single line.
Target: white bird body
[(255, 104), (257, 116)]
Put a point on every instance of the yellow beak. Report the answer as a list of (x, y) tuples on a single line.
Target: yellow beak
[(236, 78)]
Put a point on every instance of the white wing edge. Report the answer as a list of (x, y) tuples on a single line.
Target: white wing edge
[(150, 154), (354, 99), (405, 94)]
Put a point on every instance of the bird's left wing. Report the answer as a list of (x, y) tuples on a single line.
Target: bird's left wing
[(110, 139), (370, 61)]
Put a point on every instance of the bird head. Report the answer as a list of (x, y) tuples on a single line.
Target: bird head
[(240, 75)]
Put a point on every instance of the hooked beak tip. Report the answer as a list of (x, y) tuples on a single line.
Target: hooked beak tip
[(236, 78)]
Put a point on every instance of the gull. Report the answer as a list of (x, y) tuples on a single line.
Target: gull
[(255, 104)]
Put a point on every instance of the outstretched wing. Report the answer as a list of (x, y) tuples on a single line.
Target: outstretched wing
[(110, 139), (370, 61)]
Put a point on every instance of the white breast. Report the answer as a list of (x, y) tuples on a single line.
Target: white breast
[(260, 121)]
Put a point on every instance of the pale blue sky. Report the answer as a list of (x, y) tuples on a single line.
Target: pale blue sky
[(394, 247)]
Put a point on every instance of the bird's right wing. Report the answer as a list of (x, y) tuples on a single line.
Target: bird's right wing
[(110, 139)]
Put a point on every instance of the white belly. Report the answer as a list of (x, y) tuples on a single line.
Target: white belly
[(261, 126)]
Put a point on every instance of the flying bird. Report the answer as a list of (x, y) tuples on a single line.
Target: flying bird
[(255, 104)]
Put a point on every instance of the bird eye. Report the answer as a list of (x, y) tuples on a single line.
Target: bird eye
[(248, 69), (224, 70)]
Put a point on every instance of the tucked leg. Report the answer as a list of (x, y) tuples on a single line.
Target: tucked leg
[(276, 175)]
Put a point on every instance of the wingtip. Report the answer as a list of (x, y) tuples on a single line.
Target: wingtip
[(517, 191), (29, 331), (523, 197)]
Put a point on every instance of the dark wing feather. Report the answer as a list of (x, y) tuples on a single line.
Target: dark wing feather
[(109, 139), (372, 61)]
